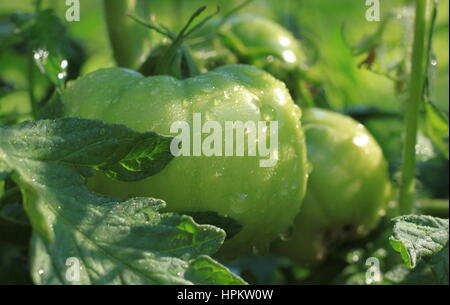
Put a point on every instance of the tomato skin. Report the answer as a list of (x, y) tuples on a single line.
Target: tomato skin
[(347, 191), (256, 33), (264, 200), (253, 40)]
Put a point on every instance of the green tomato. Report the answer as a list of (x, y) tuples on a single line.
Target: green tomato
[(260, 41), (252, 40), (347, 191), (255, 40), (264, 200)]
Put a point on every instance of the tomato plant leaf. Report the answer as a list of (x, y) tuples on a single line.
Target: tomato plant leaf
[(423, 237), (123, 153), (114, 241), (205, 271), (228, 224)]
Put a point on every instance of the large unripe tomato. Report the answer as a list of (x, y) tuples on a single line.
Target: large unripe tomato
[(264, 199), (347, 191)]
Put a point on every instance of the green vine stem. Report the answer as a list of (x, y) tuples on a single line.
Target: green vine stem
[(415, 98), (129, 41)]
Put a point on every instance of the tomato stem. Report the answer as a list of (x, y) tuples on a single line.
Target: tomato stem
[(129, 41), (415, 98)]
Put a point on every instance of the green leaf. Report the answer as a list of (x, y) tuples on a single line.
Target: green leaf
[(440, 265), (228, 224), (205, 271), (128, 242), (436, 127), (422, 237), (123, 153), (115, 241)]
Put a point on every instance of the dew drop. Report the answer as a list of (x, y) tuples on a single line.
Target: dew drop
[(64, 63), (361, 140), (289, 56), (187, 103), (268, 113)]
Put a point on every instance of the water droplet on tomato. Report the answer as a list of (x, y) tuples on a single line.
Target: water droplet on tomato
[(239, 203), (187, 103), (268, 113)]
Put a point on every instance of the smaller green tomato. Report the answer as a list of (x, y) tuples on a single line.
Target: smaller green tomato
[(252, 40), (253, 36), (347, 191), (258, 41)]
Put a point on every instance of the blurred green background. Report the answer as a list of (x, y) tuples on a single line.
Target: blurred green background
[(320, 20)]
